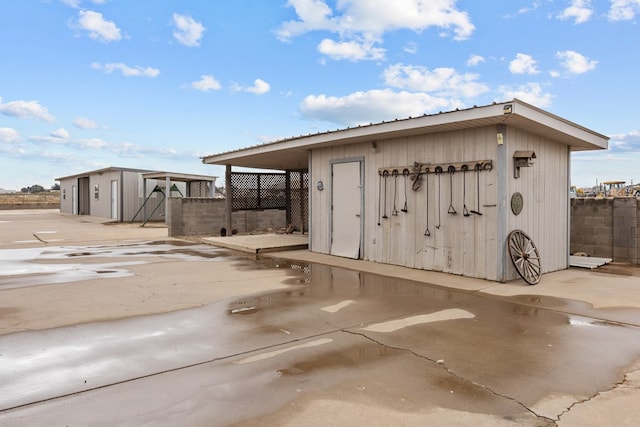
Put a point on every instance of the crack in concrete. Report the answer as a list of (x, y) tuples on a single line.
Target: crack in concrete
[(615, 386), (454, 374)]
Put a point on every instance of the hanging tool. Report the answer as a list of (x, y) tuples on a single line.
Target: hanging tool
[(385, 175), (405, 174), (439, 174), (395, 192), (464, 169), (451, 169), (427, 232), (379, 196), (477, 169)]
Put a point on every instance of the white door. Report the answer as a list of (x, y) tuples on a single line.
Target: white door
[(114, 199), (74, 199), (346, 209)]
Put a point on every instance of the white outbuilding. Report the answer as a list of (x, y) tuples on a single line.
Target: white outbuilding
[(440, 192), (126, 194)]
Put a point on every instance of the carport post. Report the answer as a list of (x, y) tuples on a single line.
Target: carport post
[(166, 199), (228, 199)]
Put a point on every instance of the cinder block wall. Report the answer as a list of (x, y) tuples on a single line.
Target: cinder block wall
[(606, 228), (201, 216)]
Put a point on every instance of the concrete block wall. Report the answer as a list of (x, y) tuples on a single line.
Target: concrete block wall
[(202, 216), (606, 227)]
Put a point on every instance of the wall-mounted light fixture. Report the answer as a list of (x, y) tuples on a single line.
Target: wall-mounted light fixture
[(522, 159)]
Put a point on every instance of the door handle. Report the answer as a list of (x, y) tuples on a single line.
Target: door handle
[(358, 215)]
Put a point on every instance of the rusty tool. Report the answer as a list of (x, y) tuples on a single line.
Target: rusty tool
[(385, 175), (451, 169), (394, 212), (427, 232), (477, 169), (438, 172), (379, 196), (405, 174), (464, 169)]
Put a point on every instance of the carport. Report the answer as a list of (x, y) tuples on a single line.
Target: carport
[(194, 185)]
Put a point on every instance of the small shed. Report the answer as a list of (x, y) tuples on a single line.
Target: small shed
[(437, 192), (126, 194)]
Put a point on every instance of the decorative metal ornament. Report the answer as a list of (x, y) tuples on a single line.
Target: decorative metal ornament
[(416, 176), (516, 203)]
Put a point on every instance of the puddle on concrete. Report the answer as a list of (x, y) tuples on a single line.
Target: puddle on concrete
[(49, 265), (452, 344)]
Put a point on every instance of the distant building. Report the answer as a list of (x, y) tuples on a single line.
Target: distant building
[(125, 194)]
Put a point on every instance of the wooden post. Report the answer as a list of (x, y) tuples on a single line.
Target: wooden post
[(228, 200)]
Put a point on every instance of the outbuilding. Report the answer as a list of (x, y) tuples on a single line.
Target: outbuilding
[(443, 192), (126, 194)]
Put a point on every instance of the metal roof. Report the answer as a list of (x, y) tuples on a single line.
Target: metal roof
[(293, 153), (179, 177), (101, 171)]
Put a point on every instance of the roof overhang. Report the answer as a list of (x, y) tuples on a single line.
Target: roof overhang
[(101, 171), (178, 177), (293, 153)]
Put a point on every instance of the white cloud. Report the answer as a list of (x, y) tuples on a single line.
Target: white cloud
[(624, 10), (72, 3), (626, 142), (128, 149), (84, 123), (575, 63), (260, 87), (372, 106), (206, 83), (360, 24), (188, 31), (377, 17), (9, 135), (97, 27), (126, 70), (474, 60), (314, 15), (531, 93), (26, 109), (523, 64), (446, 82), (60, 133), (76, 3), (351, 50), (410, 47), (580, 11)]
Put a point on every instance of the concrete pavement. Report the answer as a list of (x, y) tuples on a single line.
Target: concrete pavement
[(114, 324)]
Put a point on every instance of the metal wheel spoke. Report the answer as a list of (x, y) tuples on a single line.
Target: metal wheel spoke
[(525, 256)]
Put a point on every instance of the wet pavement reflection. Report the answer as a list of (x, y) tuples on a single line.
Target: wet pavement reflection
[(332, 334)]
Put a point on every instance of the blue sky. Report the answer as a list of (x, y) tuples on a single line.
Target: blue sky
[(86, 84)]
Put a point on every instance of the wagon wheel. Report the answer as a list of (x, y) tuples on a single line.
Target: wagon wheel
[(525, 256)]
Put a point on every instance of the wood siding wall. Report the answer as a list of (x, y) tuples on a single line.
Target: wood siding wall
[(545, 190), (472, 246)]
